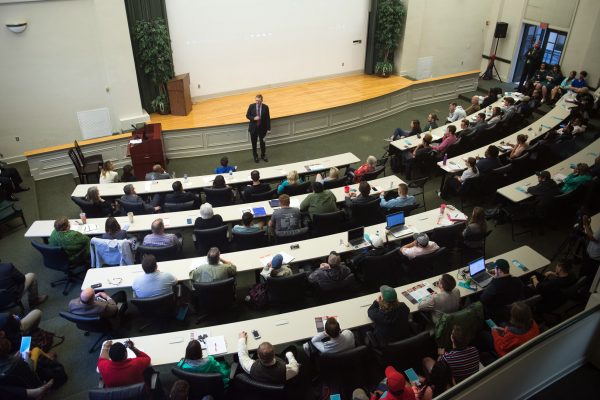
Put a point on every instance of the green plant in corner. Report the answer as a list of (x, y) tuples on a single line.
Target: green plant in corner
[(390, 23), (155, 57)]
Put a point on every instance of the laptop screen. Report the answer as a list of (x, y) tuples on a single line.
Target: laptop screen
[(395, 219), (357, 233), (476, 266)]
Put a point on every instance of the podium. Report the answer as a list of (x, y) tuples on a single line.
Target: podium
[(180, 99), (147, 153)]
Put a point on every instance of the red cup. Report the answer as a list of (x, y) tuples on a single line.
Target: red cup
[(442, 208), (346, 189)]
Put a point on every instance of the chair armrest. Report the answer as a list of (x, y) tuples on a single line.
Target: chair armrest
[(233, 370), (153, 380)]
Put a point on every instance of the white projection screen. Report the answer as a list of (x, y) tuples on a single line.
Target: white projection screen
[(231, 45)]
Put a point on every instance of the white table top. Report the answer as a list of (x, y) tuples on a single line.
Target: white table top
[(43, 228), (167, 348), (438, 133), (516, 192), (236, 178), (533, 131), (248, 260)]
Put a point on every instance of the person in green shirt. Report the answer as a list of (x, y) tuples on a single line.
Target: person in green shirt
[(75, 244), (580, 176), (319, 201), (195, 362)]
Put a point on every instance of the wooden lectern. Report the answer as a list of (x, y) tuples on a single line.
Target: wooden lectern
[(147, 153), (180, 98)]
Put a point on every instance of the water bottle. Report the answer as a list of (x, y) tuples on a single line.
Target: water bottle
[(185, 178), (173, 175), (445, 159), (430, 129)]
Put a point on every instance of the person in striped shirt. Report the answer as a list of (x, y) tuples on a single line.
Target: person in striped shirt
[(463, 359)]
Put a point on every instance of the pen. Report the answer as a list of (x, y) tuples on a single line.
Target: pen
[(281, 324)]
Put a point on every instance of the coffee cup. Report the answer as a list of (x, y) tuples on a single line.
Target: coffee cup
[(130, 217)]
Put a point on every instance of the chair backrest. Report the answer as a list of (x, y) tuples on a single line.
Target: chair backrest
[(90, 209), (291, 236), (418, 183), (408, 353), (249, 389), (247, 241), (328, 223), (367, 213), (299, 188), (137, 208), (79, 152), (428, 265), (202, 384), (212, 237), (219, 197), (334, 183), (406, 209), (75, 160), (162, 253), (369, 176), (87, 323), (157, 306), (215, 296), (264, 196), (449, 236), (380, 270), (469, 318), (345, 290), (54, 257), (174, 207), (455, 149), (287, 289), (345, 370), (131, 392)]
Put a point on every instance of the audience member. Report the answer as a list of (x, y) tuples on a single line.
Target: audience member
[(474, 233), (108, 173), (268, 368), (474, 107), (403, 199), (91, 304), (319, 201), (490, 160), (421, 150), (519, 148), (508, 109), (580, 176), (225, 168), (215, 269), (364, 196), (367, 167), (131, 196), (445, 302), (495, 117), (415, 129), (208, 219), (275, 268), (454, 185), (419, 247), (247, 226), (333, 175), (432, 122), (465, 128), (480, 122), (591, 258), (118, 370), (127, 175), (550, 284), (448, 140), (558, 90), (292, 179), (100, 207), (330, 275), (332, 340), (503, 290), (538, 77), (520, 329), (393, 387), (181, 391), (390, 318), (158, 172), (550, 81), (158, 237), (456, 113), (153, 282), (14, 176), (546, 187), (179, 195), (75, 244), (13, 285), (112, 230), (435, 383), (579, 83), (18, 371), (574, 127), (491, 97), (198, 362), (256, 187), (285, 218)]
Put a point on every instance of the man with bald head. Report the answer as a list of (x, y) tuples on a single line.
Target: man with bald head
[(268, 368), (216, 268), (158, 237), (158, 172), (100, 304)]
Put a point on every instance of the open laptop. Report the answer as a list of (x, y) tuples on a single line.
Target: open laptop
[(356, 236), (479, 273), (395, 224)]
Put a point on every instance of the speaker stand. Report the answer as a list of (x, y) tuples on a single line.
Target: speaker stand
[(491, 68)]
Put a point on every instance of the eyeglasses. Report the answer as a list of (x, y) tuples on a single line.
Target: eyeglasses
[(115, 281)]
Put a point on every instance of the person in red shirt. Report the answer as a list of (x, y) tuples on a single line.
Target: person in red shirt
[(520, 329), (394, 387), (367, 167), (118, 370)]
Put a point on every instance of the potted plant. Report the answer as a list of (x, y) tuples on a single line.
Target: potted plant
[(390, 23), (155, 58)]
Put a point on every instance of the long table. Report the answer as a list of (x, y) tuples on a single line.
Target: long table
[(249, 260), (183, 219), (535, 130), (234, 179), (517, 191), (167, 348)]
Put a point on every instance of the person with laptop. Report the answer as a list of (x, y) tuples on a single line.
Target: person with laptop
[(503, 289), (403, 199), (418, 247), (445, 302), (395, 225), (285, 218)]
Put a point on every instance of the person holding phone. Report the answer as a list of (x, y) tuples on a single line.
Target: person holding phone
[(332, 340), (118, 370), (520, 329), (445, 302)]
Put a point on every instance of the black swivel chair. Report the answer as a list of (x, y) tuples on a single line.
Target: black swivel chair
[(282, 237), (174, 207), (367, 213), (287, 290), (90, 324), (204, 239), (247, 241), (247, 388), (214, 297), (347, 289), (55, 258), (328, 223), (138, 208), (428, 265), (131, 392), (417, 188), (219, 197), (449, 236), (369, 176), (335, 183), (406, 353), (202, 384), (264, 196), (297, 189), (162, 253), (380, 270), (345, 370), (160, 309), (90, 209)]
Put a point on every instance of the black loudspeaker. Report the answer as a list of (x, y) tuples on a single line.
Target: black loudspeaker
[(501, 28), (370, 48)]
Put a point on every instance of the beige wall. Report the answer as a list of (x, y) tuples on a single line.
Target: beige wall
[(75, 55)]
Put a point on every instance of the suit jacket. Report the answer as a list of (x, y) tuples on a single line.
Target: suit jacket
[(265, 119), (134, 198), (153, 176), (182, 197)]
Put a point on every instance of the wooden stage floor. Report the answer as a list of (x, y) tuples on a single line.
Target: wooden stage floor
[(284, 101)]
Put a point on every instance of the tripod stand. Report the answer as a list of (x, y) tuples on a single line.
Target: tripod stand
[(491, 67)]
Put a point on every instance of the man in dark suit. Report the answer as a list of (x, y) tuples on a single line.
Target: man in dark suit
[(158, 172), (131, 196), (259, 126), (533, 59), (180, 196)]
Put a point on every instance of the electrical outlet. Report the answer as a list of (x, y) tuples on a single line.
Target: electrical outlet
[(342, 64), (17, 138), (198, 86)]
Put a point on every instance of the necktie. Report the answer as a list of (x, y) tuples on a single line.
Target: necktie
[(258, 114)]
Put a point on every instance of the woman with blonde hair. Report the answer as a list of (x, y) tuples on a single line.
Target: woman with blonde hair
[(108, 174), (292, 179), (334, 174), (519, 148)]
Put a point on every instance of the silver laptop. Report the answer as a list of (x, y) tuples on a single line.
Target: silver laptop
[(395, 224), (356, 236), (479, 273)]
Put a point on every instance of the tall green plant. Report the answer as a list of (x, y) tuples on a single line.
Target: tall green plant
[(155, 56), (390, 24)]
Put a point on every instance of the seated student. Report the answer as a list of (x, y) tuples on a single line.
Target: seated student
[(474, 233), (292, 179), (275, 268), (101, 207), (390, 318), (495, 117), (225, 168), (491, 97), (112, 230), (269, 368), (448, 140), (474, 107), (480, 122), (14, 284), (333, 174), (75, 244), (215, 269), (454, 186), (256, 187), (158, 237), (574, 127), (552, 80), (490, 160), (421, 150), (519, 148), (538, 77), (433, 384), (551, 283), (368, 166), (456, 113), (181, 196), (508, 108), (208, 219), (127, 175), (546, 186), (418, 247), (364, 196), (445, 302), (108, 173), (579, 83), (432, 122), (17, 371), (503, 290), (415, 129), (579, 176), (465, 128), (285, 218), (319, 201), (116, 369), (330, 275), (153, 282), (131, 196), (198, 362), (332, 340), (462, 359), (158, 172), (403, 199), (558, 90), (92, 304), (247, 226), (393, 387), (520, 329), (584, 104), (595, 168)]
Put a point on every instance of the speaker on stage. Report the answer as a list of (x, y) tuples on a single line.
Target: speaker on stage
[(501, 28)]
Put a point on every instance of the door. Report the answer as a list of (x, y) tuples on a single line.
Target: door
[(553, 43)]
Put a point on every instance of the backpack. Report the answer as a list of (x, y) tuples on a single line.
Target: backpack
[(257, 296), (51, 369), (45, 340)]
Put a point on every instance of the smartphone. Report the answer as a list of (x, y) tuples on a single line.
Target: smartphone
[(295, 246), (374, 189), (430, 290), (96, 285), (335, 397), (319, 324), (189, 221), (256, 334), (490, 323), (25, 346), (412, 376)]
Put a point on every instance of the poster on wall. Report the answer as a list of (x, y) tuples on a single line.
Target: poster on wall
[(94, 123), (424, 65)]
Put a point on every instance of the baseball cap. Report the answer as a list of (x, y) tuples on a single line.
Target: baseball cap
[(422, 239), (388, 293), (543, 174), (395, 380), (277, 261)]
